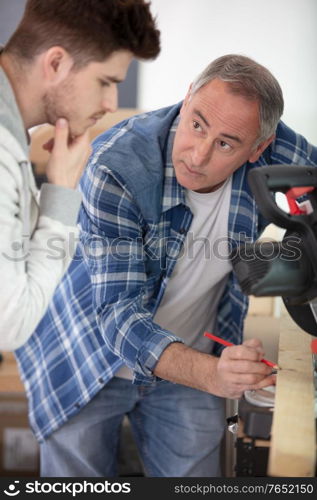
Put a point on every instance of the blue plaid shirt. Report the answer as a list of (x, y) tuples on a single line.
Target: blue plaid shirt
[(133, 222)]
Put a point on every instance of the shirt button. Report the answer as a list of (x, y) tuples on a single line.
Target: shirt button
[(182, 230), (77, 405), (100, 380)]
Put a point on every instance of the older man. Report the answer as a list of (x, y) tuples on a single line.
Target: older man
[(162, 195)]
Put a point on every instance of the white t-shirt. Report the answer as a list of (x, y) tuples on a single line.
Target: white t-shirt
[(190, 302)]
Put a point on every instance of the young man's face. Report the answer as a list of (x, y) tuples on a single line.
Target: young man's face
[(86, 95), (215, 136)]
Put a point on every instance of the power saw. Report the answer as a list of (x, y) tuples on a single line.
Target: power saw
[(286, 268)]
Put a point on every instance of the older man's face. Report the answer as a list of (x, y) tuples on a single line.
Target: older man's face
[(215, 136)]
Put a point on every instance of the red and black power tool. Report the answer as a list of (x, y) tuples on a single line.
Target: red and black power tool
[(286, 268)]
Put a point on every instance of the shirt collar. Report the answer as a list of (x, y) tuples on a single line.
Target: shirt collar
[(173, 192), (15, 123)]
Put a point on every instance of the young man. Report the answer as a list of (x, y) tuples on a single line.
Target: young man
[(61, 66), (162, 194)]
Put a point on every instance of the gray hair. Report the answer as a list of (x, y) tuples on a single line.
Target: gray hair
[(251, 80)]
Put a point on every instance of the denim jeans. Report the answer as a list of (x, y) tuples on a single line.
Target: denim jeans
[(177, 430)]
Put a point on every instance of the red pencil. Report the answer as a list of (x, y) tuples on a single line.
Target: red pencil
[(225, 342)]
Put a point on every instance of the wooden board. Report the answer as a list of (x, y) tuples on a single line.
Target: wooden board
[(293, 441), (9, 375)]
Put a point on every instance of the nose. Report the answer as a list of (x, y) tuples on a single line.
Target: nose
[(110, 99), (201, 153)]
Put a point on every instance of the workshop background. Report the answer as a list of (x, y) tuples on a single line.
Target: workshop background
[(280, 34)]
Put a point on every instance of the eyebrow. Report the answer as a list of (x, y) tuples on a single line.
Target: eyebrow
[(201, 116), (232, 137), (223, 134)]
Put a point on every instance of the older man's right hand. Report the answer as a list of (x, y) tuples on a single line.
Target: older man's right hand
[(239, 369)]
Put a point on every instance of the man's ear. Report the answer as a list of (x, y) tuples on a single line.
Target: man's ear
[(187, 99), (256, 153), (56, 64)]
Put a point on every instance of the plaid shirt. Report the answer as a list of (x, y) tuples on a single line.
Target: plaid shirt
[(133, 222)]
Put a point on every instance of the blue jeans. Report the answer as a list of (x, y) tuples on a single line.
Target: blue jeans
[(177, 430)]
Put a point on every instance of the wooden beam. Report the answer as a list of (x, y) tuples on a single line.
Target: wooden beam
[(9, 375), (293, 441)]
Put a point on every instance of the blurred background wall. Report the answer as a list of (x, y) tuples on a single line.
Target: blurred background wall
[(10, 14), (280, 34)]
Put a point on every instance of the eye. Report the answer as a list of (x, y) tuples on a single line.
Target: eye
[(104, 83), (224, 146), (196, 125)]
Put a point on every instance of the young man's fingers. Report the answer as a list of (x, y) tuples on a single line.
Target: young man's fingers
[(61, 133), (48, 146)]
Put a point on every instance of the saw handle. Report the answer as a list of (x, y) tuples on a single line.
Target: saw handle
[(267, 180), (264, 181)]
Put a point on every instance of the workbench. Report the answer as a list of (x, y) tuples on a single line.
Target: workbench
[(10, 381), (290, 451)]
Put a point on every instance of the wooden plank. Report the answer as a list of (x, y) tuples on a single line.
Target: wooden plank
[(9, 375), (293, 441)]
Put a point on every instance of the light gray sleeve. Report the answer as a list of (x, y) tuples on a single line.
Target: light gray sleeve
[(60, 203)]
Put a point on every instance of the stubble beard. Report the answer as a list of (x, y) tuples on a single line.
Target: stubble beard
[(57, 104)]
